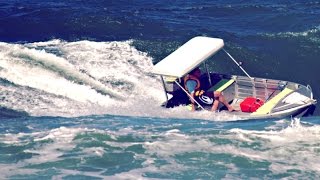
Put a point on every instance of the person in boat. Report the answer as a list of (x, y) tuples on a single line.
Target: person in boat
[(193, 86)]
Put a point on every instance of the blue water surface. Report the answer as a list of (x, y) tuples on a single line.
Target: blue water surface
[(58, 123)]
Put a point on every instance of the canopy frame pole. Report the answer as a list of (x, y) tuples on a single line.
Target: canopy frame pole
[(189, 95), (239, 65), (164, 88), (208, 73)]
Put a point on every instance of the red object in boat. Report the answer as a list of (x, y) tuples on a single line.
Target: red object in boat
[(251, 104)]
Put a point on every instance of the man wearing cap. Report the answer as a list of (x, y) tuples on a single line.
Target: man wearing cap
[(193, 86)]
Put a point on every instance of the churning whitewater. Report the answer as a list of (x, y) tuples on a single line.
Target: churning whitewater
[(58, 78), (116, 147), (74, 78), (78, 99)]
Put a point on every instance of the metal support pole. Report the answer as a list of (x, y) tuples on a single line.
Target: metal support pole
[(164, 88), (237, 64), (208, 74), (189, 95)]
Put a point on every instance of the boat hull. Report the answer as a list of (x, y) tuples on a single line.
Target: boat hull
[(282, 98)]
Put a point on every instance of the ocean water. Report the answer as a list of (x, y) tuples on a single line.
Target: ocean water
[(78, 100)]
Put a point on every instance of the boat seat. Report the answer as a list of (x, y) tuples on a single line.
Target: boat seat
[(221, 85), (269, 105)]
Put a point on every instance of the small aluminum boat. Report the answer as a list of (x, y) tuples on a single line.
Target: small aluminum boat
[(277, 98)]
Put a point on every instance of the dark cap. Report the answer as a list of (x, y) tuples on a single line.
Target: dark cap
[(194, 70)]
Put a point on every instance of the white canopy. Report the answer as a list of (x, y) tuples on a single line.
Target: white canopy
[(188, 56)]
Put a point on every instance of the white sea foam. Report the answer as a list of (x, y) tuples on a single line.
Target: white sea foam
[(8, 170), (311, 33), (61, 140), (284, 149), (59, 78), (290, 148), (83, 69), (98, 151)]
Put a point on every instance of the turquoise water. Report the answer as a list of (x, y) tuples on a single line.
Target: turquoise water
[(61, 60), (121, 147)]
